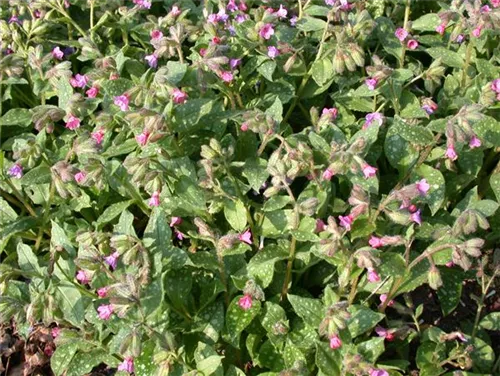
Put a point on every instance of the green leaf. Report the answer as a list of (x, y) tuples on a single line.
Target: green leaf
[(7, 214), (266, 69), (483, 356), (192, 196), (83, 362), (72, 304), (64, 92), (176, 71), (38, 175), (59, 239), (372, 349), (362, 319), (144, 364), (486, 207), (322, 71), (411, 106), (261, 266), (448, 57), (117, 87), (450, 293), (276, 202), (236, 214), (255, 170), (488, 130), (187, 117), (276, 222), (62, 357), (328, 360), (310, 24), (413, 133), (400, 153), (112, 211), (309, 310), (27, 260), (436, 194), (495, 185), (16, 116), (276, 111), (237, 319), (491, 321), (427, 22)]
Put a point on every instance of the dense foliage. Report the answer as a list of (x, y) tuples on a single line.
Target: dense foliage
[(250, 187)]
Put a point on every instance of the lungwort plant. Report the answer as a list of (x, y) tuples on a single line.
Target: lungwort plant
[(250, 187)]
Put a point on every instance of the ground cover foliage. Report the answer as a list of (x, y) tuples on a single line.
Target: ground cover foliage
[(249, 187)]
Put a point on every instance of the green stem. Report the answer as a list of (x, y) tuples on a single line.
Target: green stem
[(468, 54), (92, 3), (20, 198), (223, 278)]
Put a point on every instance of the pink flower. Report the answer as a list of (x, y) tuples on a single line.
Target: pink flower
[(415, 217), (79, 80), (293, 20), (156, 35), (114, 76), (450, 264), (373, 117), (179, 97), (451, 153), (127, 365), (175, 11), (226, 76), (102, 292), (460, 38), (179, 235), (412, 44), (375, 242), (175, 221), (477, 31), (67, 4), (16, 171), (233, 63), (266, 31), (346, 221), (335, 342), (401, 34), (383, 298), (245, 302), (243, 7), (152, 61), (98, 136), (495, 3), (83, 277), (231, 6), (330, 112), (122, 101), (57, 53), (485, 9), (143, 4), (423, 187), (441, 28), (387, 334), (371, 83), (474, 142), (80, 177), (72, 123), (55, 332), (320, 226), (155, 199), (369, 171), (92, 92), (377, 372), (373, 275), (112, 259), (282, 12), (495, 85), (244, 127), (105, 311), (246, 237), (272, 52), (142, 138), (328, 174)]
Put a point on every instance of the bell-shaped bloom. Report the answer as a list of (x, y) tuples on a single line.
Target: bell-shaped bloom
[(246, 237), (178, 96), (371, 83), (155, 199), (112, 259), (72, 123), (122, 101), (105, 311), (346, 221), (16, 171), (423, 187), (83, 277), (245, 302), (80, 177), (57, 53), (369, 171), (401, 34), (335, 342), (412, 44), (266, 31)]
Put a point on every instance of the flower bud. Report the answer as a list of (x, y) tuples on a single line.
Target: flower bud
[(434, 278)]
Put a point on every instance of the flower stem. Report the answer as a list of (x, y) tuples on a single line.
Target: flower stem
[(468, 54)]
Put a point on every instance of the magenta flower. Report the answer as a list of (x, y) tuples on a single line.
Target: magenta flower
[(143, 4), (243, 7), (412, 44), (72, 123), (246, 237), (233, 63), (335, 342), (241, 18), (369, 171), (272, 52), (371, 83), (451, 153), (57, 53), (79, 80), (415, 217), (92, 92), (80, 177), (373, 117), (67, 4), (320, 226), (441, 28), (105, 311), (266, 31), (423, 187), (346, 221), (330, 112), (179, 235), (401, 34), (98, 136), (231, 6), (495, 3), (114, 76), (485, 9), (429, 108), (152, 60), (328, 174), (282, 12), (112, 260), (293, 20), (155, 199), (16, 171), (175, 11), (375, 242), (127, 365), (450, 264), (102, 292), (330, 2), (122, 101), (142, 138), (383, 298), (244, 127), (55, 332), (245, 302), (83, 277), (179, 97), (373, 275), (474, 142), (226, 76), (377, 372), (156, 35), (495, 85), (175, 221)]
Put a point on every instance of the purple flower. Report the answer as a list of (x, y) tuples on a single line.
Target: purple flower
[(401, 34), (213, 18), (241, 18), (226, 76), (266, 31), (245, 302), (460, 38), (320, 226), (451, 153), (122, 101), (98, 136), (293, 20), (331, 113), (474, 142), (143, 4), (477, 31), (57, 53), (112, 260), (415, 217), (373, 275), (105, 311), (83, 277), (233, 63), (231, 6), (369, 171), (495, 85), (142, 138), (246, 237), (152, 60), (346, 221), (383, 298), (373, 117), (441, 28), (102, 292), (371, 83), (272, 52), (328, 174), (16, 171), (175, 221), (335, 342), (175, 11), (156, 35), (92, 92), (375, 242), (80, 177), (179, 97), (330, 2), (282, 12), (155, 199), (423, 187), (127, 365), (377, 372), (79, 80)]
